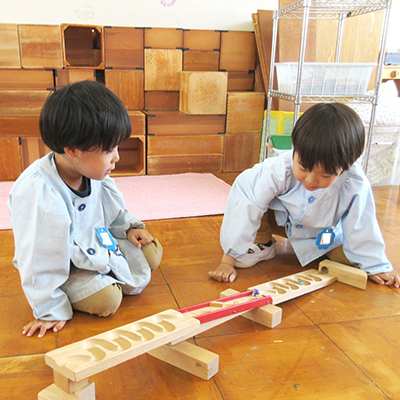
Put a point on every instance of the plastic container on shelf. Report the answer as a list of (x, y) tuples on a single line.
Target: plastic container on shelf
[(342, 79)]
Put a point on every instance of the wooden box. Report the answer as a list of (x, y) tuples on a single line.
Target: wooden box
[(83, 46), (127, 84), (245, 112), (163, 38), (138, 121), (159, 165), (185, 145), (240, 81), (9, 46), (177, 123), (13, 102), (26, 79), (40, 46), (124, 47), (241, 152), (203, 92), (66, 76), (10, 159), (161, 101), (132, 153), (19, 125), (201, 39), (194, 60), (32, 150), (162, 69), (238, 51)]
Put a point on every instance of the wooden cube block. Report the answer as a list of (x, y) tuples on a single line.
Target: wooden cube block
[(26, 79), (161, 101), (83, 46), (127, 84), (201, 39), (177, 123), (240, 81), (9, 46), (245, 112), (203, 92), (40, 46), (132, 153), (162, 69), (138, 121), (163, 38), (194, 60), (238, 51), (159, 165), (124, 47), (66, 76), (20, 102), (185, 145), (241, 152)]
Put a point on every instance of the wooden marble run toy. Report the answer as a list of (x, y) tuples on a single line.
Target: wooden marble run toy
[(163, 335)]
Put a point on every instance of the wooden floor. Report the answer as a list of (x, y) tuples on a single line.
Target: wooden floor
[(336, 343)]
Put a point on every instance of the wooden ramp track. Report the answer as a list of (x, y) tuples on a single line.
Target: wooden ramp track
[(163, 335)]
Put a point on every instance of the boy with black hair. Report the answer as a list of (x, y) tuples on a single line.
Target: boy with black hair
[(76, 246), (317, 195)]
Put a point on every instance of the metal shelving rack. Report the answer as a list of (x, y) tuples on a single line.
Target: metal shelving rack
[(327, 9)]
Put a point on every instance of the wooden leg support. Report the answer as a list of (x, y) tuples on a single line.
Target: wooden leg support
[(349, 275), (53, 392), (268, 315), (190, 358)]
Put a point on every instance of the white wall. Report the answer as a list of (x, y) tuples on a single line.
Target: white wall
[(187, 14)]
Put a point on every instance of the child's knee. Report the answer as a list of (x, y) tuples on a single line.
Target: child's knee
[(153, 253), (102, 303)]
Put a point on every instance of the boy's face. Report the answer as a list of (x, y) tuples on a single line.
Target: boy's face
[(96, 164), (312, 180)]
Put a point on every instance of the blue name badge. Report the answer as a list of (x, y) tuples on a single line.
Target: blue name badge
[(325, 238), (106, 239)]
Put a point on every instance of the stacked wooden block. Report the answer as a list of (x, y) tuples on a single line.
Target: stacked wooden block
[(180, 87)]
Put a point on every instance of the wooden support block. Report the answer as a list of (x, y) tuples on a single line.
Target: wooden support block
[(124, 47), (190, 358), (26, 79), (201, 39), (268, 315), (162, 69), (83, 46), (346, 274), (203, 92), (240, 81), (194, 60), (241, 151), (163, 38), (9, 47), (22, 102), (138, 122), (53, 392), (67, 385), (161, 101), (40, 46), (178, 123), (127, 84), (238, 51), (245, 112), (185, 145), (132, 153), (160, 165), (66, 76)]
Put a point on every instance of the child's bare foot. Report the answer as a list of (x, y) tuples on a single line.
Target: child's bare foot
[(224, 273)]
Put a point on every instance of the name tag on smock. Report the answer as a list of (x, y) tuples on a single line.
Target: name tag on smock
[(325, 238), (106, 239)]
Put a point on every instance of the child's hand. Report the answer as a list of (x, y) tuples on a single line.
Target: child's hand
[(43, 326), (224, 273), (139, 237), (386, 279)]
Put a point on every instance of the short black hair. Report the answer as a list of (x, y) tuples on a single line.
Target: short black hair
[(330, 135), (85, 115)]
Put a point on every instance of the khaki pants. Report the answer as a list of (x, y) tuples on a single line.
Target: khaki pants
[(269, 227), (106, 302)]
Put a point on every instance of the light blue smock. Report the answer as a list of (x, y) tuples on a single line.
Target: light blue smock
[(53, 227), (347, 206)]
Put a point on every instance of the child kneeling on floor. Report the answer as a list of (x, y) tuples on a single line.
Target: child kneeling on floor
[(316, 195), (76, 246)]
